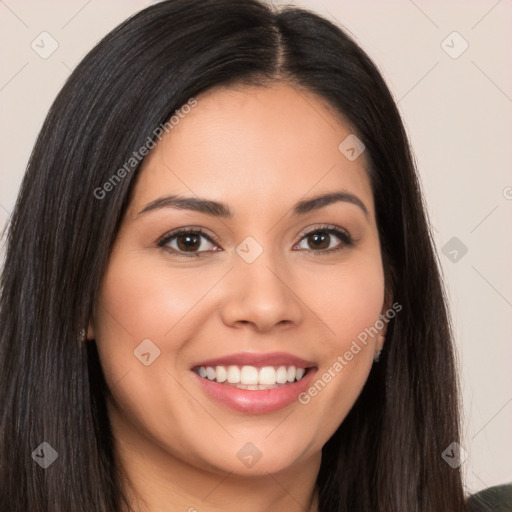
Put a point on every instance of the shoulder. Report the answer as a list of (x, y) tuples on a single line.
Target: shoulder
[(493, 499)]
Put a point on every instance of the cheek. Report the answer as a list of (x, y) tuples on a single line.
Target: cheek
[(133, 306), (140, 300), (349, 299)]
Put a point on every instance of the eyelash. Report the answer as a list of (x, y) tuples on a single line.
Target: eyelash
[(344, 236)]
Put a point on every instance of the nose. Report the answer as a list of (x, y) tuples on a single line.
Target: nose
[(261, 295)]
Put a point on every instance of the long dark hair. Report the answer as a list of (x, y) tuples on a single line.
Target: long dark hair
[(387, 454)]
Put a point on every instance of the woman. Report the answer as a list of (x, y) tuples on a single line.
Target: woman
[(220, 291)]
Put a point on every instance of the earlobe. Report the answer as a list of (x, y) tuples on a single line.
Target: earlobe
[(90, 331), (379, 346), (384, 319), (385, 316)]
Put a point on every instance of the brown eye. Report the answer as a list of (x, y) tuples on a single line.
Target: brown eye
[(189, 242), (324, 240), (319, 240), (192, 242)]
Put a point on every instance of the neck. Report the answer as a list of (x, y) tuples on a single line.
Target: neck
[(225, 493)]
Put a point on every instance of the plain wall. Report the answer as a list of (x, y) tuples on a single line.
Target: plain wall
[(457, 110)]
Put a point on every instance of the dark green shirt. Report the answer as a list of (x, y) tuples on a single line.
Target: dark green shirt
[(493, 499)]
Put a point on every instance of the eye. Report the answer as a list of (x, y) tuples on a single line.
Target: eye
[(188, 242), (323, 240), (195, 242)]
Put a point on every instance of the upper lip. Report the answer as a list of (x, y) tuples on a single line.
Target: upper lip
[(255, 359)]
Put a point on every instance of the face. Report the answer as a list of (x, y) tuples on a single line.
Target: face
[(216, 323)]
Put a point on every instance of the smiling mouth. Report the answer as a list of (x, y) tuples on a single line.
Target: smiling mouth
[(252, 378)]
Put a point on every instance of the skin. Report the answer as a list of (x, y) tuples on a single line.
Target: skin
[(259, 150)]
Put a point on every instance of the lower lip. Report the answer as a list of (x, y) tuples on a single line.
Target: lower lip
[(256, 402)]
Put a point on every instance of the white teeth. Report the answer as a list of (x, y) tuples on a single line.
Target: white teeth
[(233, 374), (267, 375), (281, 375), (222, 374), (259, 387), (250, 377)]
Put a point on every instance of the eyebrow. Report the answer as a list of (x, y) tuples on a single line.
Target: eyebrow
[(217, 209)]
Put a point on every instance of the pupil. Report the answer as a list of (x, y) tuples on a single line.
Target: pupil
[(321, 237), (188, 242)]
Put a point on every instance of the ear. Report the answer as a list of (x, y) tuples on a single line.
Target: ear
[(379, 345), (388, 301), (90, 331), (381, 337)]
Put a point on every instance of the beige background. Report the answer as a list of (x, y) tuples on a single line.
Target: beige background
[(458, 115)]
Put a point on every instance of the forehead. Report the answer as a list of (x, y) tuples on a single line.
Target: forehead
[(264, 146)]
